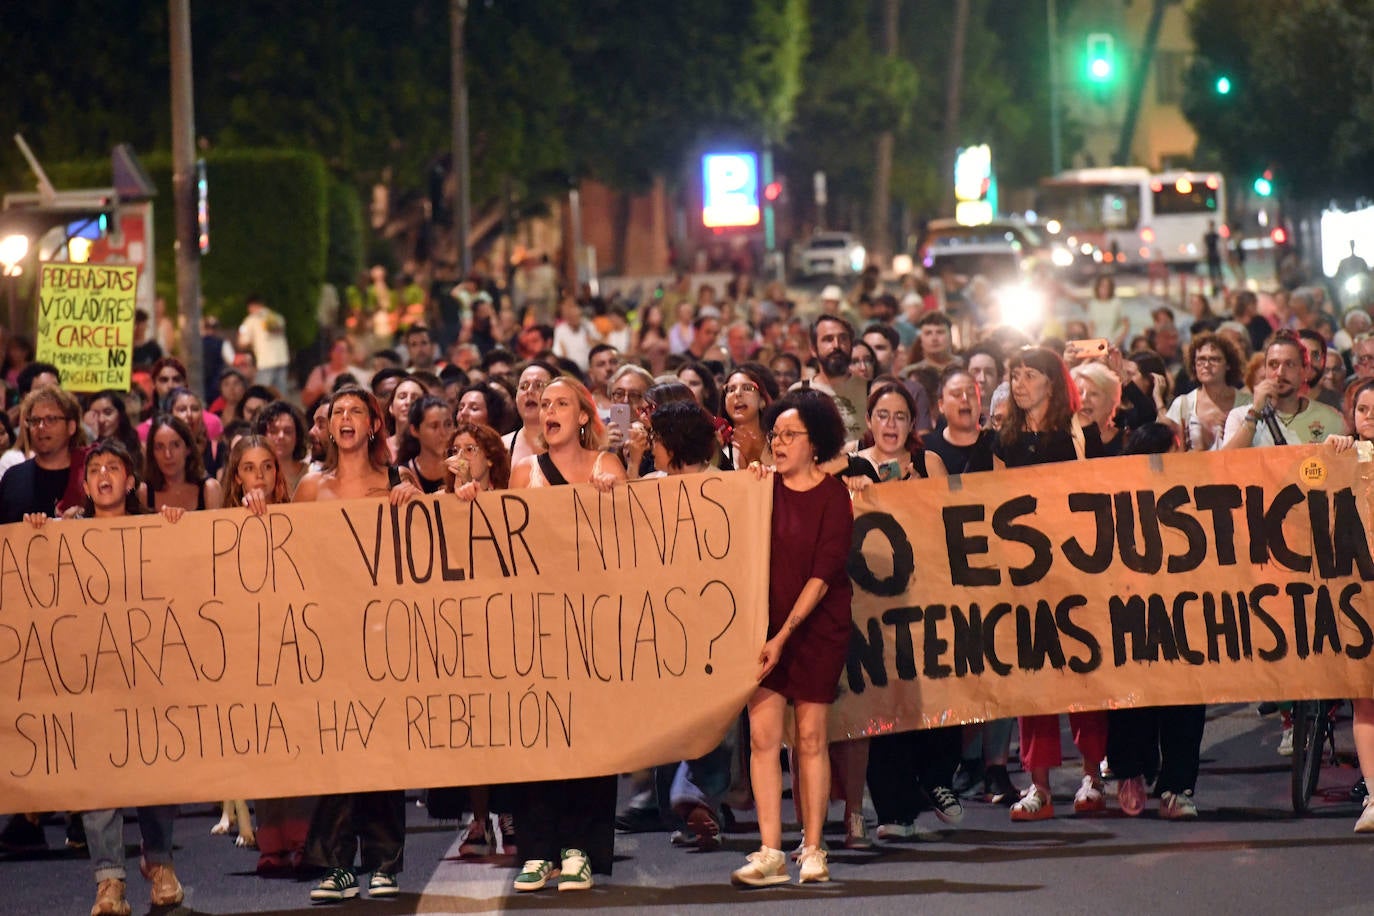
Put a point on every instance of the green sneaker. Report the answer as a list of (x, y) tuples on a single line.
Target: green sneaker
[(577, 871), (535, 874)]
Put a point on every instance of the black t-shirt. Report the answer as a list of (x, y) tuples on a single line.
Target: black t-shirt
[(962, 459), (1036, 448)]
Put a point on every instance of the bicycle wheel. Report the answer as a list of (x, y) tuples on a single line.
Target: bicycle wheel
[(1309, 741)]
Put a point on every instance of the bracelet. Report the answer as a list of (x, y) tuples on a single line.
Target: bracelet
[(1251, 416)]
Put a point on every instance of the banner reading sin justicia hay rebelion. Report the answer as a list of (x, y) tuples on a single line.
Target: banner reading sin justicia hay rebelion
[(1214, 577), (356, 646)]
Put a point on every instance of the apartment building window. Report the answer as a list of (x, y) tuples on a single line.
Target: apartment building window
[(1170, 69)]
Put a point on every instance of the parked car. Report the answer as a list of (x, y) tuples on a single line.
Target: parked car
[(833, 254)]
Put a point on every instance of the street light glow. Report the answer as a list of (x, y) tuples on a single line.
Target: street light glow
[(13, 248)]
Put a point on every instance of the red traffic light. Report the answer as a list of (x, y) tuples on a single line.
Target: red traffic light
[(772, 191), (1279, 235)]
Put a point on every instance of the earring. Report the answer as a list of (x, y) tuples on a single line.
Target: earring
[(582, 432)]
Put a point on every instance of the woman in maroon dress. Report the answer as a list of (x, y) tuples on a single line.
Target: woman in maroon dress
[(808, 629)]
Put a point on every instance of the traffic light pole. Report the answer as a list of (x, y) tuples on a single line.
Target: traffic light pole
[(184, 190), (1052, 40)]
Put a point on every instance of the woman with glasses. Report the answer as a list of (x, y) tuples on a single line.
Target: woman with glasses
[(1041, 428), (906, 771), (808, 630), (1198, 417), (748, 391), (524, 442), (863, 362), (424, 445)]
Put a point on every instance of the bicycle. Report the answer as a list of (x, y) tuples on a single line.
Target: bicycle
[(1314, 730)]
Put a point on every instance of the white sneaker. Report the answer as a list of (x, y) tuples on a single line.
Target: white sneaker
[(1088, 799), (1177, 806), (1286, 742), (813, 866), (898, 831), (762, 868), (1366, 822)]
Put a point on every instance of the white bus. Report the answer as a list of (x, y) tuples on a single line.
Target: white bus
[(1131, 217)]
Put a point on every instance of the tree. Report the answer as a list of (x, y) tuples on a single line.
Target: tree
[(1302, 97)]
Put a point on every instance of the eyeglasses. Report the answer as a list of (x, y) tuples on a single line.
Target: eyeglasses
[(887, 416), (623, 396), (741, 388), (470, 451), (1366, 359), (533, 385), (785, 436), (35, 422), (1210, 360)]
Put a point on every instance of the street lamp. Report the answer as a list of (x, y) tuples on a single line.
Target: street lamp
[(13, 248)]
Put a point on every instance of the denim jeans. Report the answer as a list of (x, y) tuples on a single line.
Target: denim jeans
[(105, 838)]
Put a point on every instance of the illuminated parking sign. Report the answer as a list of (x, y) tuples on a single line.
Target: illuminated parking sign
[(730, 190)]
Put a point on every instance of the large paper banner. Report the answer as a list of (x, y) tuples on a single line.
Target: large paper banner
[(349, 646), (1203, 577), (86, 323)]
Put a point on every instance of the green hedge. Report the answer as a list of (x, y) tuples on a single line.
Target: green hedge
[(269, 231)]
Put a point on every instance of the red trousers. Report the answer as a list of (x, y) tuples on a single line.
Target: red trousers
[(1040, 739)]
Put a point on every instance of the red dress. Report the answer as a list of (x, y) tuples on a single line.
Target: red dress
[(812, 531)]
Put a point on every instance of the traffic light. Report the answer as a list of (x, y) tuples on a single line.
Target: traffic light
[(1101, 57), (772, 191), (1223, 85), (1264, 184)]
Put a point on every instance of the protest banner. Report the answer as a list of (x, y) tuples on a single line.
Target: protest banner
[(352, 646), (86, 323), (1194, 578)]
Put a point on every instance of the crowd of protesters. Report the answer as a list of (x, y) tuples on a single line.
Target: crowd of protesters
[(857, 388)]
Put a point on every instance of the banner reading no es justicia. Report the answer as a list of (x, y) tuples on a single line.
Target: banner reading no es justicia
[(1201, 577)]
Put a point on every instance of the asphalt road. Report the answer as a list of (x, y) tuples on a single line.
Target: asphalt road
[(1246, 853)]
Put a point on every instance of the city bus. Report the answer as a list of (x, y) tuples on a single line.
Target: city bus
[(1131, 217)]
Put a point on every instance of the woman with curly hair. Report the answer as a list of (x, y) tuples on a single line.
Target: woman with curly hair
[(1198, 417), (808, 630)]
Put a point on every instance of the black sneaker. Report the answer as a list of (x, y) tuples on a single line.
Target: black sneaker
[(76, 831), (945, 804), (969, 774), (998, 789), (337, 884), (22, 835)]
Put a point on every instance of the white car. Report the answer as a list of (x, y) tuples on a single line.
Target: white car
[(833, 254)]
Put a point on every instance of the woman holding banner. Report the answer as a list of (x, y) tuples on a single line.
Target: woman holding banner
[(928, 755), (808, 629), (1042, 428), (1362, 422), (567, 824), (109, 483), (253, 480), (356, 466)]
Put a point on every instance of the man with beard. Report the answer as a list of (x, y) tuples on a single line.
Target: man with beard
[(1316, 361), (1280, 414), (832, 341), (44, 483), (318, 433)]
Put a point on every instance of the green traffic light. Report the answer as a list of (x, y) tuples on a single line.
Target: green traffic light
[(1100, 69), (1263, 186), (1223, 85)]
